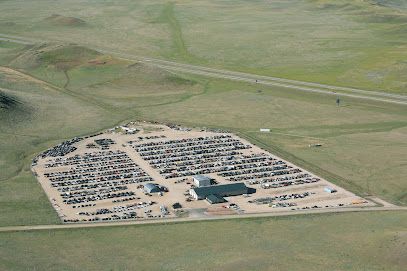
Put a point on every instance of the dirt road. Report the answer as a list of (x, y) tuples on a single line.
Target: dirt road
[(204, 218)]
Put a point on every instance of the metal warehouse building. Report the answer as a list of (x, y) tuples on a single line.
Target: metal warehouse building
[(219, 191)]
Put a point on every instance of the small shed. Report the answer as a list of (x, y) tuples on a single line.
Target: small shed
[(151, 188), (177, 205), (330, 190)]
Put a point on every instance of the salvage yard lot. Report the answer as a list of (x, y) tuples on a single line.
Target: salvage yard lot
[(102, 177)]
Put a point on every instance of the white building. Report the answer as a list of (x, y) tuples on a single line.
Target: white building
[(200, 181)]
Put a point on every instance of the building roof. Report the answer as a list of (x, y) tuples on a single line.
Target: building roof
[(221, 190), (151, 187), (202, 178), (212, 199)]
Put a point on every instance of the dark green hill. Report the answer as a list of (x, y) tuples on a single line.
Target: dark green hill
[(7, 102)]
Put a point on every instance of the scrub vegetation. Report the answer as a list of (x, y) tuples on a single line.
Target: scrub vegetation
[(345, 42)]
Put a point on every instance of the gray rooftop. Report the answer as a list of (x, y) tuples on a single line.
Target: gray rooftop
[(150, 185), (202, 178), (151, 188), (222, 190)]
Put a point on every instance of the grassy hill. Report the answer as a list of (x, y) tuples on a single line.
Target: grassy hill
[(60, 20), (8, 104), (345, 42)]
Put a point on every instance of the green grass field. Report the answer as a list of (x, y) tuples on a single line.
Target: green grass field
[(365, 241), (58, 90), (344, 42)]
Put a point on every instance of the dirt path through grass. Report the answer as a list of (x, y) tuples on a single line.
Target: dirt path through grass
[(188, 219)]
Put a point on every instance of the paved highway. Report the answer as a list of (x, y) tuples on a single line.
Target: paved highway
[(244, 77)]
